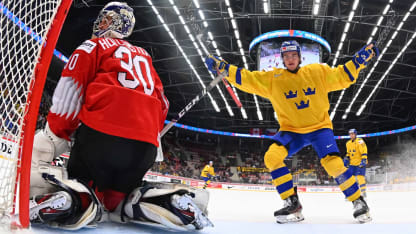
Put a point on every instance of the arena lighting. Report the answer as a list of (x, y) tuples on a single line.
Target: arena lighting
[(316, 5), (385, 74), (192, 38), (235, 134), (217, 51), (259, 114), (370, 39), (265, 6), (237, 36), (341, 43), (379, 58), (346, 28), (59, 55), (213, 102)]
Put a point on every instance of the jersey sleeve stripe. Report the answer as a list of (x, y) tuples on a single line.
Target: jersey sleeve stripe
[(349, 73), (238, 76)]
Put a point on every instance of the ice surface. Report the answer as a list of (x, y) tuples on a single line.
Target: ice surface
[(252, 212)]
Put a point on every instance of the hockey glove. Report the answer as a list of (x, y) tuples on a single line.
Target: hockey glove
[(363, 162), (346, 161), (216, 65), (365, 54)]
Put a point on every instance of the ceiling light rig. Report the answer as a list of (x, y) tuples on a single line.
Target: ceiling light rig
[(316, 5), (194, 42), (341, 43), (370, 39), (384, 75), (266, 7), (218, 53), (156, 12), (240, 46)]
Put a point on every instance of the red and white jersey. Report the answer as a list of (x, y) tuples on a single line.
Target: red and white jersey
[(111, 86)]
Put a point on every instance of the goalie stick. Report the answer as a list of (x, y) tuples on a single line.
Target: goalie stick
[(194, 101)]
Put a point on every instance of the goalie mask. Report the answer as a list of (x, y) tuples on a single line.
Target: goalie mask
[(116, 20)]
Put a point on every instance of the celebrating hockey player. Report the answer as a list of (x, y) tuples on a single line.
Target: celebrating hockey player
[(356, 159), (110, 100), (299, 96), (207, 173)]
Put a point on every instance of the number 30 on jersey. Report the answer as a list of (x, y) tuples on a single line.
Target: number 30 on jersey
[(132, 66)]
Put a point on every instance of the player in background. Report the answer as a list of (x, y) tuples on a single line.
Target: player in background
[(356, 159), (109, 103), (207, 173), (299, 96)]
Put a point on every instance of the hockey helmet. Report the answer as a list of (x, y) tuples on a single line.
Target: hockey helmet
[(122, 21), (288, 46), (353, 130)]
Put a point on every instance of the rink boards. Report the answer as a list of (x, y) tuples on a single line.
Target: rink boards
[(157, 177)]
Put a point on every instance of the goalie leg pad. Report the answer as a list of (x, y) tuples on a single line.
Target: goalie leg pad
[(170, 208), (68, 202), (201, 196), (38, 185)]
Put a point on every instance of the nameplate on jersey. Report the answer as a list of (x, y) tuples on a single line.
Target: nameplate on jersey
[(87, 46)]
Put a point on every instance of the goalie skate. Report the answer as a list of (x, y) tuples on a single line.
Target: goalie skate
[(188, 208), (49, 205)]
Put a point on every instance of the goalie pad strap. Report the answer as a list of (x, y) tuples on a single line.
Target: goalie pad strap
[(78, 218), (137, 211)]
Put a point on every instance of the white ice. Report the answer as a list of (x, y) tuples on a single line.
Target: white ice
[(252, 212)]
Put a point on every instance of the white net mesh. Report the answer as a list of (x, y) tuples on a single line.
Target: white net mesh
[(23, 29)]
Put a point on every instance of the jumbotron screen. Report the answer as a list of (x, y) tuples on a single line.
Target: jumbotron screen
[(269, 56)]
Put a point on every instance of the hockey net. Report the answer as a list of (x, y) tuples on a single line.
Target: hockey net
[(29, 30)]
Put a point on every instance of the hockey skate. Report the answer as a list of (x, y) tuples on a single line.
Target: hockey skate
[(189, 209), (361, 210), (50, 207), (291, 211)]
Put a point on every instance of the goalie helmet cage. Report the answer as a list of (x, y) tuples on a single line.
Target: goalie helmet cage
[(29, 31)]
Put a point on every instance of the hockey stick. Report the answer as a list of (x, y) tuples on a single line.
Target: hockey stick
[(194, 101), (232, 94), (227, 85)]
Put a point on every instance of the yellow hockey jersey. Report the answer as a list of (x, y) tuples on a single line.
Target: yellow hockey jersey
[(300, 100), (356, 150), (208, 170)]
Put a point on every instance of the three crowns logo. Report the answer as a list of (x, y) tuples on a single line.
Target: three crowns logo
[(291, 94), (302, 105), (309, 91)]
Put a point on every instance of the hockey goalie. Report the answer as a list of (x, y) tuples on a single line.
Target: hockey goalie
[(107, 110)]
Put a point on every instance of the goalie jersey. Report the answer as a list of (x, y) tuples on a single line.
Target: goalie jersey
[(300, 100), (356, 151), (110, 86)]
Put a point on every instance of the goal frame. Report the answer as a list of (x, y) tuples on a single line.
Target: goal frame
[(34, 98)]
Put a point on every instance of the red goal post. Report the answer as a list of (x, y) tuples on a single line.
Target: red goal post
[(29, 31)]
